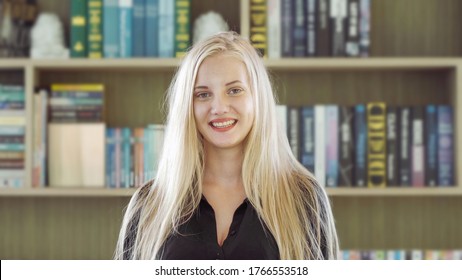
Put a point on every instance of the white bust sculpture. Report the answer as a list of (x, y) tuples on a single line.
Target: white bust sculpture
[(208, 24), (47, 38)]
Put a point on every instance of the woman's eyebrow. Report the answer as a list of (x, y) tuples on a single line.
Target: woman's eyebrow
[(233, 82)]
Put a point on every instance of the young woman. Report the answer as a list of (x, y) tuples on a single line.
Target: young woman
[(228, 185)]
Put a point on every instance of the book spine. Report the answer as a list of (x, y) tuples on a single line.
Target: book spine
[(346, 146), (258, 36), (360, 131), (431, 146), (148, 153), (166, 28), (445, 146), (182, 27), (126, 147), (125, 27), (364, 27), (320, 144), (307, 135), (376, 153), (299, 31), (118, 155), (352, 31), (287, 22), (294, 131), (138, 44), (152, 28), (274, 28), (311, 23), (111, 28), (392, 146), (332, 155), (95, 28), (108, 167), (417, 161), (338, 14), (323, 28), (281, 112), (79, 28), (404, 153)]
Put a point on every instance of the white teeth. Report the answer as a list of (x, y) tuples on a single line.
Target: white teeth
[(223, 124)]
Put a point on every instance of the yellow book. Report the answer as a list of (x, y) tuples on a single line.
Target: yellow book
[(376, 145)]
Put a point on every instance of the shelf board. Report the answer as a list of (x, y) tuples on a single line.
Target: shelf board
[(66, 192), (275, 64), (362, 63), (395, 191), (333, 192), (107, 64)]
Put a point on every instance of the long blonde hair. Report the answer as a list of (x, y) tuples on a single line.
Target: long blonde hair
[(285, 195)]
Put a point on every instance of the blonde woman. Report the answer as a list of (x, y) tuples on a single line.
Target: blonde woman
[(228, 186)]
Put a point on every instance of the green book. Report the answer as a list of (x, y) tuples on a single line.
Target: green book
[(182, 26), (95, 28), (78, 28)]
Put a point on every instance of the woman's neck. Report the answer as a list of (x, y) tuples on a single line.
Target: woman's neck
[(223, 167)]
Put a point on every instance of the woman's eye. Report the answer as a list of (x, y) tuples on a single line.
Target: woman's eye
[(203, 95), (235, 91)]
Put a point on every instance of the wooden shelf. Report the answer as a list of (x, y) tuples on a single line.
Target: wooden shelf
[(395, 191), (66, 192), (279, 64), (333, 192)]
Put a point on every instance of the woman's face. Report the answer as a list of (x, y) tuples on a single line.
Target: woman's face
[(223, 107)]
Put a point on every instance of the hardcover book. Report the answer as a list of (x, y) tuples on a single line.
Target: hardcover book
[(258, 33), (376, 144)]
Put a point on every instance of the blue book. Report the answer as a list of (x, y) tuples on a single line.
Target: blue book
[(126, 155), (287, 23), (125, 27), (111, 28), (360, 132), (152, 28), (431, 146), (307, 137), (166, 28), (299, 31), (109, 156), (445, 146), (405, 146), (138, 44)]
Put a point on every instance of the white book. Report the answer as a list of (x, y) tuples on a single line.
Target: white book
[(76, 154), (273, 24), (281, 113), (320, 144)]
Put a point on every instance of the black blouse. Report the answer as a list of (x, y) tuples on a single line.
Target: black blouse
[(248, 238)]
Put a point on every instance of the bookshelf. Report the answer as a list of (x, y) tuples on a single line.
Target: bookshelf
[(416, 58)]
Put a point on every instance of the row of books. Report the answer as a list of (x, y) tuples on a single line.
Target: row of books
[(132, 155), (130, 28), (69, 136), (79, 103), (373, 145), (12, 134), (401, 254), (307, 28)]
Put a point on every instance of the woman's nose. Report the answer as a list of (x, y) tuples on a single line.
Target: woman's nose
[(220, 105)]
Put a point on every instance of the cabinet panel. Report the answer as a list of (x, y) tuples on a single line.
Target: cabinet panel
[(60, 228), (398, 222), (395, 87)]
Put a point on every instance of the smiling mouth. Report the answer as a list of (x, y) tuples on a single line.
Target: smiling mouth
[(223, 124)]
